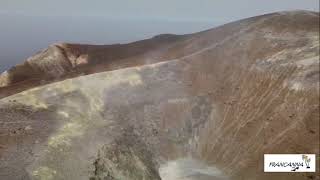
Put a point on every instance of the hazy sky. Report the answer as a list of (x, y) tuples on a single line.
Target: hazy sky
[(201, 10), (28, 26)]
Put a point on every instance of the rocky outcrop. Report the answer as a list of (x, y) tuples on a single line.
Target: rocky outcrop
[(63, 61), (221, 100)]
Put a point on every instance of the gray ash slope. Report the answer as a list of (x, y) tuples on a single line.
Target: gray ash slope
[(217, 99)]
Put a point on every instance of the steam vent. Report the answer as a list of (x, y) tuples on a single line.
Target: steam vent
[(202, 106)]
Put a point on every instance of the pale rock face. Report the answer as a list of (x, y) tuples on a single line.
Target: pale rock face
[(200, 112), (82, 60), (52, 61), (4, 79)]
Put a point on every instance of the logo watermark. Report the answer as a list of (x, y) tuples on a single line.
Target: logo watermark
[(289, 163)]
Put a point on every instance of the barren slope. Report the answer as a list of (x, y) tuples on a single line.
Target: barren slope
[(63, 61), (222, 99)]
